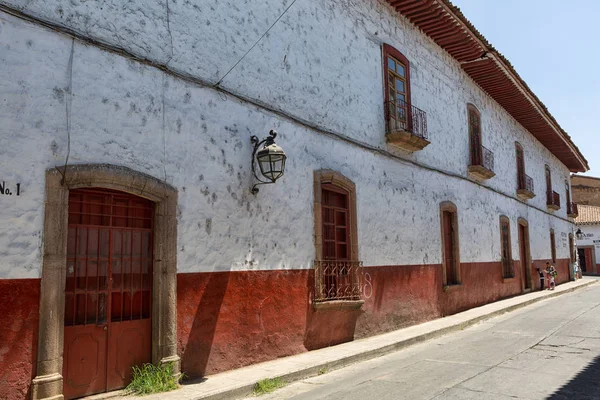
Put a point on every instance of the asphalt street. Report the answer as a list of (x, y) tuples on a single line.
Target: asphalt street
[(550, 350)]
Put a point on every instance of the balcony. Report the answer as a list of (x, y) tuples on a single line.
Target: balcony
[(337, 280), (525, 187), (482, 163), (553, 200), (572, 210), (406, 126)]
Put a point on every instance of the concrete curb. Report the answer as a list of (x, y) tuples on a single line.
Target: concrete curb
[(229, 390)]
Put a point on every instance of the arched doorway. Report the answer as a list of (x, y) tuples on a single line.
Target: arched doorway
[(108, 291), (109, 191)]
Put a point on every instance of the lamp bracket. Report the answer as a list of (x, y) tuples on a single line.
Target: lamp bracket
[(269, 140)]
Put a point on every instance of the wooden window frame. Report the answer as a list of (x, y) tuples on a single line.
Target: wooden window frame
[(521, 179), (475, 149), (329, 178), (510, 263), (548, 177), (553, 246), (448, 206), (335, 179), (394, 53), (348, 239)]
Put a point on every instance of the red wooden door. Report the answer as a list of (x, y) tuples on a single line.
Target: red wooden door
[(108, 290), (449, 248), (523, 247), (589, 260)]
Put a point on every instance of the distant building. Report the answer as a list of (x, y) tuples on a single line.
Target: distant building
[(423, 178), (586, 190), (586, 193)]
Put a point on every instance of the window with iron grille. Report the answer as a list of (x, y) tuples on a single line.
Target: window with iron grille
[(507, 262), (336, 266)]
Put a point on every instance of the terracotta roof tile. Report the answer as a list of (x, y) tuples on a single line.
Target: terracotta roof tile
[(451, 30), (588, 215)]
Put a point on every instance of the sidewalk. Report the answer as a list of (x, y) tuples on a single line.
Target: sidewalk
[(240, 382)]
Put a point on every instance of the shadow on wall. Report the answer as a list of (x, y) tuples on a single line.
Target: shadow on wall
[(585, 385), (205, 315)]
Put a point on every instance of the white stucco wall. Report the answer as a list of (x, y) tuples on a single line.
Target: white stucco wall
[(322, 64)]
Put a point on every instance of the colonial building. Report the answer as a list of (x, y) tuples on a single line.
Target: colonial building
[(423, 177)]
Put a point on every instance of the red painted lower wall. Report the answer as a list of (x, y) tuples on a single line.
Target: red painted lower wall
[(230, 319), (19, 308)]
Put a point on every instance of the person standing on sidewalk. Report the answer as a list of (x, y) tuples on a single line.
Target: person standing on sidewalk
[(542, 279), (551, 274)]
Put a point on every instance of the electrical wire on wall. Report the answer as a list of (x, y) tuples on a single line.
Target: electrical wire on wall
[(255, 43), (68, 104)]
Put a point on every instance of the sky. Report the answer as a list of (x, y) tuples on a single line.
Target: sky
[(554, 45)]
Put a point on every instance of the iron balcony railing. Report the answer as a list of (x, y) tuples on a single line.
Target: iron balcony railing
[(401, 116), (572, 209), (553, 199), (525, 183), (337, 280), (482, 156)]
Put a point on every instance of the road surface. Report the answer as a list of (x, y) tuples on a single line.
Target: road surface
[(550, 350)]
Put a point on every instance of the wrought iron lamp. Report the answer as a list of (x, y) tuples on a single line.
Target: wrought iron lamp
[(270, 158), (579, 234)]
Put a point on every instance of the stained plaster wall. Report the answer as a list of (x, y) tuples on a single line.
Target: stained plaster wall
[(122, 112)]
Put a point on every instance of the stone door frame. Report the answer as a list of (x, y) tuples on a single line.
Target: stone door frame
[(48, 383)]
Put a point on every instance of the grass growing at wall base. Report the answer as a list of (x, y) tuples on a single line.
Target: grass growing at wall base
[(153, 379), (268, 385)]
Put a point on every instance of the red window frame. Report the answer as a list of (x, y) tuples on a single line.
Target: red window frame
[(520, 166), (390, 51), (391, 105), (548, 182), (505, 248), (475, 134), (339, 225)]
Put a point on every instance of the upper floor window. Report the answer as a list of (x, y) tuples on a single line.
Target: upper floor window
[(406, 125), (572, 209), (336, 248), (481, 159), (552, 198), (524, 182), (548, 179), (397, 80)]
